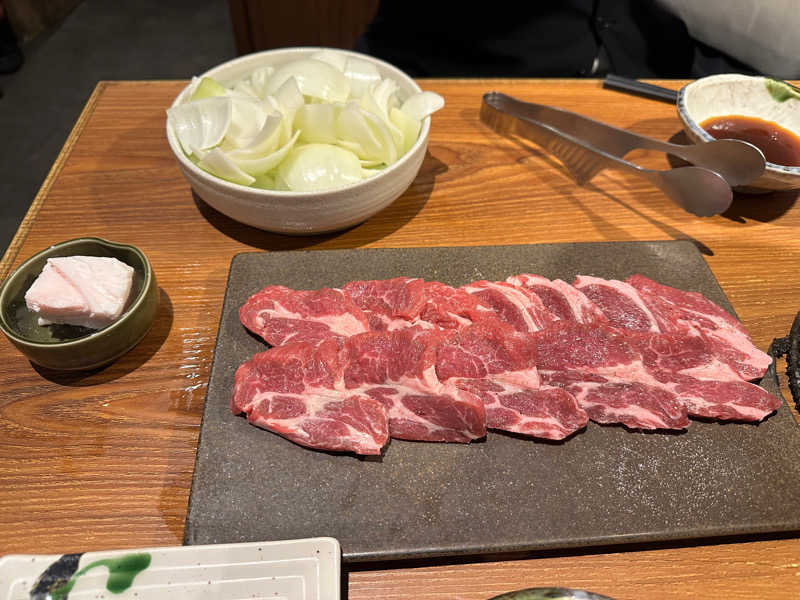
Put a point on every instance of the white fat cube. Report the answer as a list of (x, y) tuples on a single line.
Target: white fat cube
[(90, 291)]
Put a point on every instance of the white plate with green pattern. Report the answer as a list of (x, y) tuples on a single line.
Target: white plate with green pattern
[(306, 569)]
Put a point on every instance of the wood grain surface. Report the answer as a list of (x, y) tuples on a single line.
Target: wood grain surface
[(104, 459)]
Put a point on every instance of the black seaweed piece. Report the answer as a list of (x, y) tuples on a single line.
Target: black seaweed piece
[(55, 576)]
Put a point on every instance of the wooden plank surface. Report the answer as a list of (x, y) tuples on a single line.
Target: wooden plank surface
[(104, 459)]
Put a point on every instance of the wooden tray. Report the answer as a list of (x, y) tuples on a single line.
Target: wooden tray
[(605, 485)]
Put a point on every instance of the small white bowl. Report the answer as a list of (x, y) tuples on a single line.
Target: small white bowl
[(748, 96), (301, 213)]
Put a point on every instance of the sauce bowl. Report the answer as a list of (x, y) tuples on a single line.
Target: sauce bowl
[(747, 96)]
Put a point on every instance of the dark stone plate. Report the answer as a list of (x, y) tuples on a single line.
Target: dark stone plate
[(605, 485)]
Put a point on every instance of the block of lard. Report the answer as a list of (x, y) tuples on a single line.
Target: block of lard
[(90, 291)]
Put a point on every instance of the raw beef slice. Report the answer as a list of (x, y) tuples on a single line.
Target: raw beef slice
[(560, 298), (647, 380), (512, 304), (607, 376), (619, 302), (397, 368), (296, 391), (389, 303), (683, 312), (498, 364), (281, 315)]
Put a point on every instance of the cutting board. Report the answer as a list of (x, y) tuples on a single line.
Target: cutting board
[(506, 493)]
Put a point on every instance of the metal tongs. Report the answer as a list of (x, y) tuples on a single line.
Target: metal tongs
[(586, 147)]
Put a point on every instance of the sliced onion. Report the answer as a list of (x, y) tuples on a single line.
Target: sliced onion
[(201, 124), (314, 167), (266, 163), (408, 126), (259, 77), (361, 75), (353, 130), (245, 90), (378, 101), (264, 181), (247, 120), (217, 163), (333, 58), (369, 164), (287, 119), (289, 96), (207, 88), (317, 122), (262, 144), (422, 104), (314, 78), (385, 137)]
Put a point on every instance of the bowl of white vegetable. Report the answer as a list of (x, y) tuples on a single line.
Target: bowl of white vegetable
[(301, 140)]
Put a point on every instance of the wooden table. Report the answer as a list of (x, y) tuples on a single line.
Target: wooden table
[(104, 460)]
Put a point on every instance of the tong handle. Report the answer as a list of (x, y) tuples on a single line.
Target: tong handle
[(581, 160), (610, 139)]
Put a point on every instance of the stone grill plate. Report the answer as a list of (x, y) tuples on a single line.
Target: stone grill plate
[(605, 485)]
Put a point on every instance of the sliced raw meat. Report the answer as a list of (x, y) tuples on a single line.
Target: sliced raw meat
[(450, 308), (667, 354), (488, 348), (498, 364), (665, 368), (547, 412), (607, 376), (619, 302), (725, 400), (398, 369), (635, 405), (560, 298), (389, 303), (281, 315), (681, 312), (297, 391), (686, 366), (512, 304)]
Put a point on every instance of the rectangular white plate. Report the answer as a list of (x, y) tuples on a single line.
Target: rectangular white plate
[(307, 569)]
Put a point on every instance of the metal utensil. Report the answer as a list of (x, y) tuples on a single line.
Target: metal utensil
[(697, 190), (738, 162)]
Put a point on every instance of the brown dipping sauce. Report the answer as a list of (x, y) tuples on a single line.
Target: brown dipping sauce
[(779, 145)]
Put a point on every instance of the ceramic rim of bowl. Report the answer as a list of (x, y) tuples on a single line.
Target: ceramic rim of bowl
[(146, 281), (229, 186), (702, 133)]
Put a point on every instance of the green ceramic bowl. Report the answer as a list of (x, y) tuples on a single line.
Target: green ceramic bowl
[(68, 347)]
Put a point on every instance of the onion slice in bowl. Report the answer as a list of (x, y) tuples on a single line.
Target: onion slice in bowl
[(314, 78), (421, 105), (201, 124), (259, 166), (217, 163), (314, 167)]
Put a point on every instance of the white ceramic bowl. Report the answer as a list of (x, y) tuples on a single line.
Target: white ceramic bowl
[(300, 213), (748, 96)]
